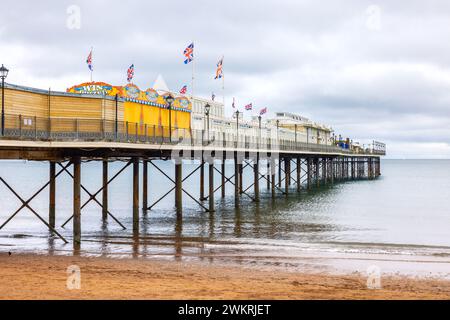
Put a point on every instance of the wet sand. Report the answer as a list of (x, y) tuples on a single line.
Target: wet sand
[(44, 277)]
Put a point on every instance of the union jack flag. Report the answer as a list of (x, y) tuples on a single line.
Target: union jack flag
[(219, 71), (189, 53), (262, 111), (248, 107), (89, 61), (130, 73), (183, 90)]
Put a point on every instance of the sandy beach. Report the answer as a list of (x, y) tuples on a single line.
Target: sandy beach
[(45, 277)]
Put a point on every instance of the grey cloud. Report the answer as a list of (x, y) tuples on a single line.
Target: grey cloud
[(318, 59)]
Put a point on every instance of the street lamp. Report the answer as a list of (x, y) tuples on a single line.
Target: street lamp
[(3, 75), (237, 128), (170, 99), (207, 108), (296, 135), (278, 126)]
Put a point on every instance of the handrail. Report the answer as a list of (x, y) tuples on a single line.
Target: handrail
[(33, 128)]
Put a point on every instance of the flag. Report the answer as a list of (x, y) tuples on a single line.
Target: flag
[(213, 96), (89, 61), (219, 71), (262, 111), (248, 107), (233, 105), (130, 73), (183, 90), (189, 53)]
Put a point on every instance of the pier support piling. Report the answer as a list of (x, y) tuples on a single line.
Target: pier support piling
[(52, 195), (223, 177), (179, 187), (144, 186), (256, 177), (308, 173), (211, 185), (135, 194), (236, 180), (76, 200), (241, 180), (287, 177), (272, 174), (105, 190), (202, 178)]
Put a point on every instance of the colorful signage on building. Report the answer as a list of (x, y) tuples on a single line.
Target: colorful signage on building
[(132, 93)]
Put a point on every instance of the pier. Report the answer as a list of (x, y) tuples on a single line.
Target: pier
[(281, 164)]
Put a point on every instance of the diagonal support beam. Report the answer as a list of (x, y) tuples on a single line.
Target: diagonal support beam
[(91, 197), (173, 181), (25, 204)]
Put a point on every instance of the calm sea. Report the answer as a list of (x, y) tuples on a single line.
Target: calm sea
[(399, 222)]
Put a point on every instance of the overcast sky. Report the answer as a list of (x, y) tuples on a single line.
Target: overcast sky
[(370, 69)]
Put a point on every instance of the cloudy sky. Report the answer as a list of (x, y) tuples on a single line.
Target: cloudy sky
[(371, 69)]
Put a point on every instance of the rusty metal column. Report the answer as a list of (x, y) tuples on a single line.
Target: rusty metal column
[(144, 185), (352, 167), (324, 170), (272, 173), (52, 195), (202, 178), (241, 180), (135, 194), (299, 174), (287, 165), (211, 185), (332, 170), (105, 190), (256, 176), (178, 186), (308, 173), (286, 174), (223, 177), (279, 172), (268, 175), (76, 200), (236, 180), (317, 172)]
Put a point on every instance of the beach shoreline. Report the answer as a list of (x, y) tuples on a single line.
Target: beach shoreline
[(31, 276)]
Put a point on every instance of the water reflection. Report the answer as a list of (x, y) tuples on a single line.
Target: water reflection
[(357, 216)]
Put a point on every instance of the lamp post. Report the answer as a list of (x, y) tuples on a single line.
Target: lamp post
[(237, 128), (278, 126), (169, 99), (3, 74), (295, 135), (207, 108)]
